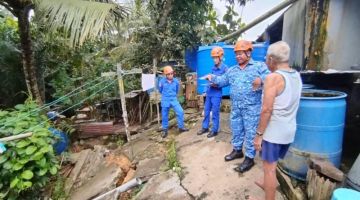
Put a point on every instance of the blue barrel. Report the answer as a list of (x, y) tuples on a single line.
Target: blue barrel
[(308, 86), (205, 63), (259, 52), (319, 134)]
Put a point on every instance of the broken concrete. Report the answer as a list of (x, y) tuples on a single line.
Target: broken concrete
[(95, 172), (104, 181), (150, 166), (163, 186)]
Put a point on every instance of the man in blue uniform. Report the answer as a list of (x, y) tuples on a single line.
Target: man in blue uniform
[(213, 95), (169, 87), (245, 82)]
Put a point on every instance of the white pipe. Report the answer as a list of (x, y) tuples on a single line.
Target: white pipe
[(16, 137), (132, 183)]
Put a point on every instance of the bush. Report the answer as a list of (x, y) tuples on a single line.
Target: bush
[(28, 163)]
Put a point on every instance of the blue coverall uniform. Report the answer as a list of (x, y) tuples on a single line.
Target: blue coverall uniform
[(169, 90), (245, 103), (213, 101)]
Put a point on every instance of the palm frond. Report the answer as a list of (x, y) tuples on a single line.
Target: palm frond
[(80, 19)]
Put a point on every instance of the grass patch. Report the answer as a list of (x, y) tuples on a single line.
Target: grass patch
[(173, 162), (59, 186)]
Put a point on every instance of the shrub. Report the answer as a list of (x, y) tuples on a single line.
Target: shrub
[(28, 163)]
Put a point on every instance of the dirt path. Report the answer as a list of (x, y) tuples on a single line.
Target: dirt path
[(206, 175)]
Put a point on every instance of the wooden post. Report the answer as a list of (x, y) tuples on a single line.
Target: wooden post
[(155, 90), (140, 105), (123, 101)]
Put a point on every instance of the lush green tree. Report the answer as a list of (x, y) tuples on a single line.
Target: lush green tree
[(161, 30), (81, 20), (11, 78)]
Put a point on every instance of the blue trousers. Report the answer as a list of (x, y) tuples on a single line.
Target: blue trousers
[(244, 121), (212, 104), (165, 108)]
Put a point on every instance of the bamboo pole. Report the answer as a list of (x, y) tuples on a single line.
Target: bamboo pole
[(123, 101)]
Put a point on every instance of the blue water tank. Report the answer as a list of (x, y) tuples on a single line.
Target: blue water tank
[(319, 133), (259, 52), (205, 63), (190, 59)]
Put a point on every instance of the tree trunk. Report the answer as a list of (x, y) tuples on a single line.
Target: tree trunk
[(27, 54)]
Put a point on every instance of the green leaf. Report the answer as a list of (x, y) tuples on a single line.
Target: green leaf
[(45, 149), (27, 184), (8, 165), (53, 170), (30, 150), (42, 172), (17, 166), (14, 182), (43, 133), (18, 130), (20, 151), (22, 143), (37, 156), (3, 158), (41, 162), (22, 124), (27, 174), (20, 106), (3, 113), (23, 161)]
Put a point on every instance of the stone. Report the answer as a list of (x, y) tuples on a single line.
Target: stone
[(163, 186)]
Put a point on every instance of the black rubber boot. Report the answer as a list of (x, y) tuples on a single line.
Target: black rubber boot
[(246, 165), (183, 130), (202, 131), (212, 134), (234, 155), (164, 133)]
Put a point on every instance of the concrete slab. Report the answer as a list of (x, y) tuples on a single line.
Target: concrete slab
[(163, 186)]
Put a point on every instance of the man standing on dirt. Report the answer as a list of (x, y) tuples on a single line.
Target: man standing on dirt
[(214, 95), (169, 88), (245, 80), (276, 130)]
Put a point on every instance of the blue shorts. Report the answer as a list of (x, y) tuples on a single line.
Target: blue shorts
[(272, 152)]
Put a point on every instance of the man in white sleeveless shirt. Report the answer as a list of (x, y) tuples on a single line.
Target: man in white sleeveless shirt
[(277, 126)]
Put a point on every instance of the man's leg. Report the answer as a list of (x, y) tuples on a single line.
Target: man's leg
[(237, 129), (179, 114), (165, 117), (207, 109), (270, 181), (251, 119), (164, 120), (215, 102), (251, 116)]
